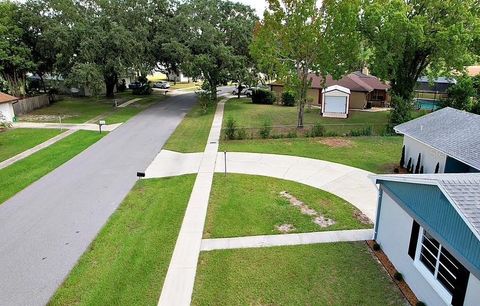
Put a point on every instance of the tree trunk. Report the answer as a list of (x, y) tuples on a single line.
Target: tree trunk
[(239, 91), (303, 73), (110, 82)]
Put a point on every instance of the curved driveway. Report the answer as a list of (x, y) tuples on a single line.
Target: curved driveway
[(349, 183), (45, 228)]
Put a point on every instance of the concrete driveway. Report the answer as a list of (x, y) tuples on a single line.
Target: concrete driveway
[(45, 228)]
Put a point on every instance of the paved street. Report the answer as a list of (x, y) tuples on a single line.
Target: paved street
[(45, 228)]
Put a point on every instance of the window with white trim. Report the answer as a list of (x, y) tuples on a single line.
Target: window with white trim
[(439, 262)]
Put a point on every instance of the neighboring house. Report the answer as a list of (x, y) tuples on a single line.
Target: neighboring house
[(447, 137), (473, 70), (336, 100), (180, 77), (6, 108), (365, 89), (429, 227)]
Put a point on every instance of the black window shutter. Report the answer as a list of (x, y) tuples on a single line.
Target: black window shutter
[(412, 248), (461, 283)]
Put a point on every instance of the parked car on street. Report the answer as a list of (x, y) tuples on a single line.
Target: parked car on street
[(162, 85), (134, 85)]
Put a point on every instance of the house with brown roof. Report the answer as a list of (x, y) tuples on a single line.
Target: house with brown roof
[(6, 106), (365, 89)]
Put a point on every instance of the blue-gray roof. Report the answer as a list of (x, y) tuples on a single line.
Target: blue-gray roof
[(451, 131), (445, 80), (461, 189)]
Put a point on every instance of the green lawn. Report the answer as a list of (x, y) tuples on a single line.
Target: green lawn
[(251, 115), (192, 133), (372, 153), (80, 110), (320, 274), (15, 141), (184, 85), (246, 205), (128, 261), (24, 172)]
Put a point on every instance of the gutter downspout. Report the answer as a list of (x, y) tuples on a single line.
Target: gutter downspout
[(379, 208)]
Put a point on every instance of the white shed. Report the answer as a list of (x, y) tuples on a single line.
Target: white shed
[(6, 108), (335, 102)]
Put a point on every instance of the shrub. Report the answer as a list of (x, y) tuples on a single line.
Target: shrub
[(143, 90), (376, 247), (366, 131), (401, 112), (420, 303), (262, 96), (265, 130), (402, 159), (409, 164), (398, 276), (292, 134), (230, 129), (288, 98), (396, 170), (417, 167), (241, 134), (317, 130)]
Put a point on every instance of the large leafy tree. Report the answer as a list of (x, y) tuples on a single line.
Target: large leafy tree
[(15, 54), (411, 38), (215, 36), (296, 38)]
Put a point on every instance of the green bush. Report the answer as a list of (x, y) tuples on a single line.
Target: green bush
[(288, 98), (366, 131), (143, 90), (317, 130), (262, 96), (231, 129), (376, 247), (265, 130), (241, 134), (398, 276), (292, 134)]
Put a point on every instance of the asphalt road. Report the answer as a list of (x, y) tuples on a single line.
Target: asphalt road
[(45, 228)]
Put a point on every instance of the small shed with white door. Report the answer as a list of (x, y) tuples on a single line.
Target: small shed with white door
[(336, 100)]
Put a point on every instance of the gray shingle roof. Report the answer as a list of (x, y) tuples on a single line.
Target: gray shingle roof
[(451, 131), (462, 189)]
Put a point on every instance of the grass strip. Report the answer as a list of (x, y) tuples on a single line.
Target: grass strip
[(15, 141)]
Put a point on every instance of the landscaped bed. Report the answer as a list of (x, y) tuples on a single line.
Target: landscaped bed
[(80, 110), (24, 172), (245, 205), (128, 261), (319, 274), (372, 153), (15, 141), (192, 133)]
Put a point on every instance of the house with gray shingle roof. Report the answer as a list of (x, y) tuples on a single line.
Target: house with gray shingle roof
[(447, 139), (429, 227)]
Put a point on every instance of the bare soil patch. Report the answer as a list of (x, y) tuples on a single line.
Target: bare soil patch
[(285, 228), (318, 219), (337, 142), (362, 217), (45, 118)]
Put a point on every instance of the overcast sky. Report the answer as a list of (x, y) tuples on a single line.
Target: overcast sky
[(258, 5)]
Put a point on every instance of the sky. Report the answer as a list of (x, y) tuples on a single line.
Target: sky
[(258, 5)]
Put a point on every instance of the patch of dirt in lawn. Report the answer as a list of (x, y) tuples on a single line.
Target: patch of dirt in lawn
[(285, 228), (361, 217), (337, 142), (318, 219)]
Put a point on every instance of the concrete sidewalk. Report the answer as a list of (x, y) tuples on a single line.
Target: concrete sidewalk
[(35, 149), (65, 126), (349, 183), (286, 239), (178, 285)]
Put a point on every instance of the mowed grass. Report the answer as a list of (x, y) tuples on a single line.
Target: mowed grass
[(24, 172), (251, 115), (80, 110), (126, 264), (245, 205), (15, 141), (377, 154), (319, 274), (191, 135)]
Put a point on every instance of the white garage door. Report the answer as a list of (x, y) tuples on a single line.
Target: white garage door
[(335, 104)]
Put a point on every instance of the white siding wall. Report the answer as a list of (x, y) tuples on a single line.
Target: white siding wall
[(7, 111), (394, 228), (472, 298), (430, 156)]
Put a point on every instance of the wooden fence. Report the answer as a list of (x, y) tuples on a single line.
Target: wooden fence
[(26, 105)]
